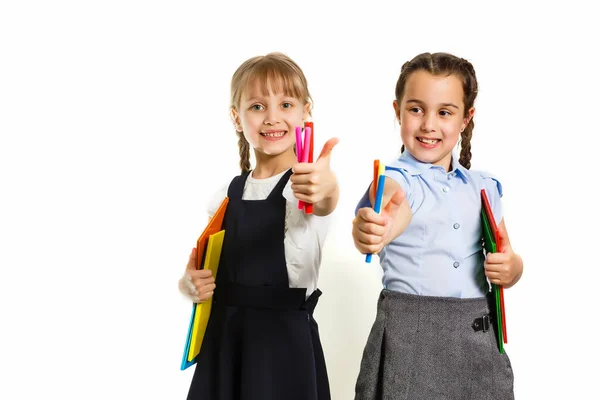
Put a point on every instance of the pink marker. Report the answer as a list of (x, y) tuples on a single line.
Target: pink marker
[(299, 155), (299, 143), (306, 147), (305, 155)]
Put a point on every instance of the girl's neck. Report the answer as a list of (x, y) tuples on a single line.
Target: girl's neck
[(268, 166)]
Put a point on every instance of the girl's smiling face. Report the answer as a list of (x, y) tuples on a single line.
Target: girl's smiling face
[(268, 121), (432, 116)]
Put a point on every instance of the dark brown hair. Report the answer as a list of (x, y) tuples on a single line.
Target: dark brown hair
[(275, 71), (446, 64)]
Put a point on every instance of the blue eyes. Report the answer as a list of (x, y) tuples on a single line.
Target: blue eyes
[(258, 107)]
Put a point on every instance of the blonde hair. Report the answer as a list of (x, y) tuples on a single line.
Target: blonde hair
[(276, 72)]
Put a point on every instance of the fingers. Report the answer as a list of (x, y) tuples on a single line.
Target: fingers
[(368, 230), (314, 186), (369, 244), (306, 184), (496, 268), (206, 292), (301, 170), (497, 273), (200, 273), (187, 288), (200, 281), (305, 192), (497, 258), (367, 215), (198, 285), (497, 278)]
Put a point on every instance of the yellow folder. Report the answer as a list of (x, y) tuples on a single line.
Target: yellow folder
[(208, 254), (211, 262)]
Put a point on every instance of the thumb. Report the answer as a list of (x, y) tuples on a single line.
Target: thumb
[(327, 147), (503, 239), (394, 203), (191, 265)]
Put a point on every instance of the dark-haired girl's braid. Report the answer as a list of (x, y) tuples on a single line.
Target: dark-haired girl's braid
[(465, 145), (471, 90)]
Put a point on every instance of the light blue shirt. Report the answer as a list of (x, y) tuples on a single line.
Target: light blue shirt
[(440, 253)]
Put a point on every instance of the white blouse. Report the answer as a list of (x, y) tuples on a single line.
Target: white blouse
[(304, 233)]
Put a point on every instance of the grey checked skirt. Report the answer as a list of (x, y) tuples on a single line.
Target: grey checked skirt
[(425, 348)]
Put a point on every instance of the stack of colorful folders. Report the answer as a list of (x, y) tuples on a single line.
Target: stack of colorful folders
[(378, 188), (208, 254), (304, 153), (493, 244)]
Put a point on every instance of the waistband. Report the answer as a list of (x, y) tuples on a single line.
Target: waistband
[(266, 297)]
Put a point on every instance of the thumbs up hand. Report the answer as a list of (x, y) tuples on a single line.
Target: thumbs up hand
[(372, 231), (315, 183)]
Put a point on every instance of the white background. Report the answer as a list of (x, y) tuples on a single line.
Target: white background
[(115, 133)]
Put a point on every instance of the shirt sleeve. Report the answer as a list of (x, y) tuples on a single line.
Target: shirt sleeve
[(305, 236), (217, 199), (364, 201), (398, 175), (493, 189), (402, 178)]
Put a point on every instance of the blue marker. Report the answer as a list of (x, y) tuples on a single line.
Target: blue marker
[(378, 199)]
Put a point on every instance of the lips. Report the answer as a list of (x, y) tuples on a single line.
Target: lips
[(273, 134), (430, 141)]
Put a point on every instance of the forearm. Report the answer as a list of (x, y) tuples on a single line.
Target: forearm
[(402, 217), (519, 268), (328, 204), (399, 224)]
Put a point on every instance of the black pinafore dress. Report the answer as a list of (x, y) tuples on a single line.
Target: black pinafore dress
[(261, 342)]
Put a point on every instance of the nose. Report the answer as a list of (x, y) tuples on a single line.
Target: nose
[(271, 116), (428, 123)]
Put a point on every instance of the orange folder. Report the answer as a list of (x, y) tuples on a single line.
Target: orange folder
[(213, 234)]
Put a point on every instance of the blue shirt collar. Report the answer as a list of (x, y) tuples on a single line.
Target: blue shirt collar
[(416, 167)]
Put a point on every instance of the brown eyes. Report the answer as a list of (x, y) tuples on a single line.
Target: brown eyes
[(443, 113)]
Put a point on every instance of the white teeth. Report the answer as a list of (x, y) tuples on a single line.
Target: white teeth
[(428, 141), (275, 134)]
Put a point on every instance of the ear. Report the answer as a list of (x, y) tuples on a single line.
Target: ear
[(306, 111), (235, 118), (397, 110), (467, 119)]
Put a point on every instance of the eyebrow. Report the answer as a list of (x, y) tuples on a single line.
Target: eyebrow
[(442, 104), (253, 99)]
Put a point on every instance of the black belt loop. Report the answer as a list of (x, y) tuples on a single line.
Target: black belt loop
[(311, 303), (482, 323)]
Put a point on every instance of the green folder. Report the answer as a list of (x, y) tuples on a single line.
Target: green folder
[(489, 244)]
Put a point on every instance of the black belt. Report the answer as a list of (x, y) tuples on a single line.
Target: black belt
[(266, 297)]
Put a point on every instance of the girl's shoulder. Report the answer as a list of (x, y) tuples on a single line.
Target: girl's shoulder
[(490, 181), (217, 198)]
